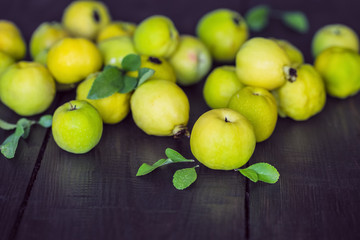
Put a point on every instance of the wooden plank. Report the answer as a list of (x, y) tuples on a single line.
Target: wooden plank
[(16, 173), (97, 195), (317, 196)]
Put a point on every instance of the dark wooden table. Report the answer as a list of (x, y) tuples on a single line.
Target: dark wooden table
[(46, 193)]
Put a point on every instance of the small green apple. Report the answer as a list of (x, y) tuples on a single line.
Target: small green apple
[(5, 61), (85, 18), (261, 62), (116, 29), (191, 61), (27, 88), (340, 70), (113, 50), (156, 36), (220, 85), (258, 105), (45, 36), (302, 98), (223, 31), (334, 35), (77, 126), (11, 40), (222, 139), (160, 108), (295, 55)]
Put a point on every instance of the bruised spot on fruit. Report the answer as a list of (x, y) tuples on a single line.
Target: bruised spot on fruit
[(256, 94), (96, 15), (154, 60)]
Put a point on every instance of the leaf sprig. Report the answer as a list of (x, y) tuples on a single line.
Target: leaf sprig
[(22, 129), (258, 18), (183, 178), (113, 79)]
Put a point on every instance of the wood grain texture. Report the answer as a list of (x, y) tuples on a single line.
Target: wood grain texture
[(97, 196)]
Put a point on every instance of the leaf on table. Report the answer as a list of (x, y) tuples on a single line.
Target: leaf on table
[(45, 121), (175, 156), (108, 82), (6, 126), (257, 17), (183, 178), (264, 171), (249, 173), (296, 20), (147, 168), (26, 125), (131, 62), (8, 147), (144, 74)]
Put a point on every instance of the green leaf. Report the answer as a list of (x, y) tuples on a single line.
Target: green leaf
[(183, 178), (130, 84), (144, 74), (131, 62), (9, 146), (175, 156), (146, 168), (296, 20), (265, 172), (249, 173), (108, 82), (45, 121), (26, 125), (257, 17), (6, 126)]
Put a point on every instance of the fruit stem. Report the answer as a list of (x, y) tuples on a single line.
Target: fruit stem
[(290, 73), (181, 130), (72, 107)]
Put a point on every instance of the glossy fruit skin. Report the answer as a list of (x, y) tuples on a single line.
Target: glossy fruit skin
[(223, 31), (222, 139), (334, 35), (303, 98), (160, 108), (72, 59), (156, 36), (85, 18), (220, 85), (27, 88), (45, 36), (5, 61), (77, 130), (258, 105), (112, 109), (260, 62), (295, 55), (113, 50), (191, 61), (163, 69), (116, 29), (12, 42), (340, 70)]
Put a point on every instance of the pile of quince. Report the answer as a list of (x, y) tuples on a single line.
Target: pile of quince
[(261, 79)]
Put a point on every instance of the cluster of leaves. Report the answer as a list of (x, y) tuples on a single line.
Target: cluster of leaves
[(113, 79), (21, 130), (183, 178), (258, 18)]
